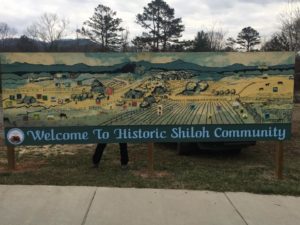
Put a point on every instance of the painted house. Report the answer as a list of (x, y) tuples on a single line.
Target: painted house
[(134, 94), (36, 116), (97, 87), (235, 105), (53, 99), (29, 100), (67, 84), (134, 104), (8, 104), (159, 90), (150, 99), (72, 76)]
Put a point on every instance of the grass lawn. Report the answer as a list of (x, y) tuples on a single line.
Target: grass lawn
[(252, 170)]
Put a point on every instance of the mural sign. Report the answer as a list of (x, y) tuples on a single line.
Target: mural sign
[(56, 98)]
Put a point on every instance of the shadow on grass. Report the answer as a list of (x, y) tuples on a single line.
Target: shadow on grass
[(192, 150)]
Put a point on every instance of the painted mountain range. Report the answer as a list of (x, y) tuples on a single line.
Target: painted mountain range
[(130, 67)]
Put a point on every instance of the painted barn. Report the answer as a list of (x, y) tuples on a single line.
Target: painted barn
[(109, 91)]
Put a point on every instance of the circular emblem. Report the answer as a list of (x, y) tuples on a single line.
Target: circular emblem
[(15, 136)]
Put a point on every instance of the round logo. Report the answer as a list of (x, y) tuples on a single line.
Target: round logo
[(15, 136)]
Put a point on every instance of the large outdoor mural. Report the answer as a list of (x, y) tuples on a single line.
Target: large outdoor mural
[(146, 89)]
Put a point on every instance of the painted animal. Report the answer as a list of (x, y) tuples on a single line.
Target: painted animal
[(245, 116), (50, 117), (63, 116), (6, 119)]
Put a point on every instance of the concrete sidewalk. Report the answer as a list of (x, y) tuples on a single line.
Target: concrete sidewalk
[(55, 205)]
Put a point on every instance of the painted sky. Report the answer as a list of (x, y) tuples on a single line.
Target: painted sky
[(230, 15)]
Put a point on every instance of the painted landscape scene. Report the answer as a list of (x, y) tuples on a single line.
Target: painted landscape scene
[(78, 89)]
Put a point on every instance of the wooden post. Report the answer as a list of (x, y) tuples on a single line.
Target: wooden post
[(11, 158), (150, 160), (279, 160)]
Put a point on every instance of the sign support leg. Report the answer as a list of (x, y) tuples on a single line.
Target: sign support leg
[(279, 160), (150, 159), (11, 159)]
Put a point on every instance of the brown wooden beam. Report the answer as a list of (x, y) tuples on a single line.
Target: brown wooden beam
[(11, 159), (279, 160), (150, 160)]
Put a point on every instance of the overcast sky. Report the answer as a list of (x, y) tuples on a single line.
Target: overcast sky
[(230, 15)]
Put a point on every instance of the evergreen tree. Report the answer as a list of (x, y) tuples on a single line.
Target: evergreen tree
[(163, 29), (201, 42), (248, 38), (26, 44), (230, 43), (278, 42), (104, 28)]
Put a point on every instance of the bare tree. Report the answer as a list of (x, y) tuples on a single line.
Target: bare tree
[(216, 37), (290, 24), (5, 33), (124, 41), (48, 28)]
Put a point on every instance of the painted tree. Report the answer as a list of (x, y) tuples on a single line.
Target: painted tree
[(104, 28), (248, 38), (158, 19)]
